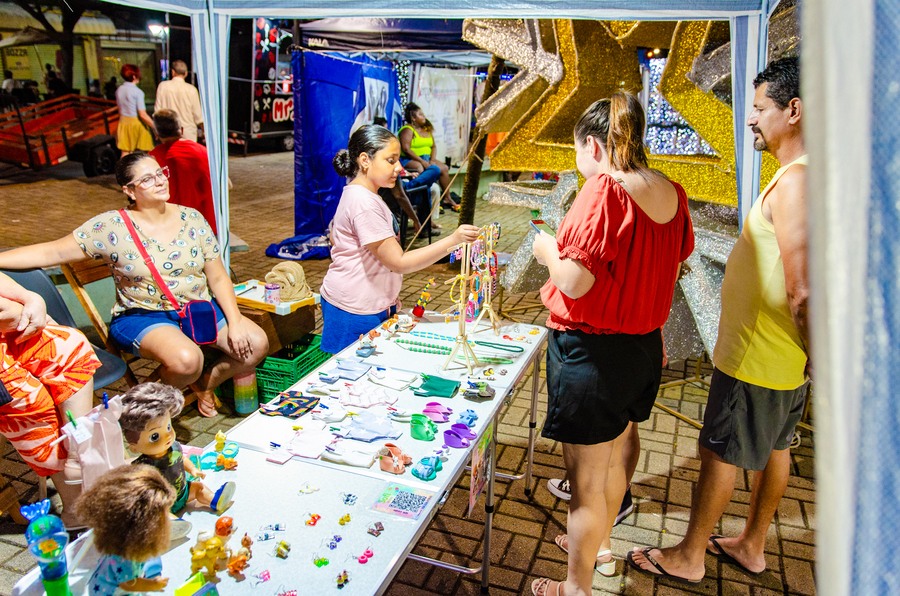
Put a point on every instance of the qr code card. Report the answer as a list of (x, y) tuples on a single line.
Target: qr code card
[(403, 501)]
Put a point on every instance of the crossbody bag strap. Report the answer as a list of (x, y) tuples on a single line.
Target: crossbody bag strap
[(153, 270)]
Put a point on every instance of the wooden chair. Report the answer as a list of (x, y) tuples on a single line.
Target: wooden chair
[(79, 274)]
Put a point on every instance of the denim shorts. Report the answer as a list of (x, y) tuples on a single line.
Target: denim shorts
[(129, 328), (744, 423), (597, 384), (406, 160), (341, 328)]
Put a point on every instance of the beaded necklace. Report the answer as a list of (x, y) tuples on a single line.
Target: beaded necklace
[(423, 347)]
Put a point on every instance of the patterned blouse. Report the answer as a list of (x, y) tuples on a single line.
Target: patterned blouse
[(180, 262)]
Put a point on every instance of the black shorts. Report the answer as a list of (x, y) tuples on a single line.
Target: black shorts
[(597, 384), (744, 423)]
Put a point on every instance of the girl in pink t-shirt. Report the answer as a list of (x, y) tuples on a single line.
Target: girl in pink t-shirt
[(362, 284)]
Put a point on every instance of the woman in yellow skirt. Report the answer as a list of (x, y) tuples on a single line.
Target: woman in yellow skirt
[(135, 132)]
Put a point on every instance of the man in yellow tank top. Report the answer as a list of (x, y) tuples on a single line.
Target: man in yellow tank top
[(759, 384)]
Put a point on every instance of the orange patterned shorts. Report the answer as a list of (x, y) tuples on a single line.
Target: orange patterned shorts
[(41, 373)]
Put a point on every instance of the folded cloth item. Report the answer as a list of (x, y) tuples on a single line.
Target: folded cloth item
[(329, 409), (310, 443), (351, 369), (392, 379), (366, 396), (433, 386), (368, 427), (291, 404), (340, 453)]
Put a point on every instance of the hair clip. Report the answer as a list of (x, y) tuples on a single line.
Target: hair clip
[(376, 529), (342, 579), (344, 519), (276, 527), (263, 536), (282, 549), (313, 519), (262, 576), (349, 498), (306, 488)]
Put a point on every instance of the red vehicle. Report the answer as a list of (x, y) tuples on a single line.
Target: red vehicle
[(72, 127)]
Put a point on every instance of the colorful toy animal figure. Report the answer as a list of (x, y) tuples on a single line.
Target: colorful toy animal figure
[(208, 550), (220, 441), (225, 463), (238, 562)]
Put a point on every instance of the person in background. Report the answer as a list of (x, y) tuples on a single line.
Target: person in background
[(135, 132), (613, 267), (759, 384), (188, 163), (94, 88), (9, 83), (183, 98), (109, 89), (418, 148), (56, 87), (362, 285), (186, 255)]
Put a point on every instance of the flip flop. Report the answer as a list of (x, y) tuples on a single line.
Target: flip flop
[(453, 439), (606, 568), (659, 568), (726, 558), (207, 406), (541, 587)]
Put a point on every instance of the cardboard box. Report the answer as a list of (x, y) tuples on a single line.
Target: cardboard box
[(252, 293)]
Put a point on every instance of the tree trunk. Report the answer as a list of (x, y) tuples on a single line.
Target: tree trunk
[(473, 168), (67, 59)]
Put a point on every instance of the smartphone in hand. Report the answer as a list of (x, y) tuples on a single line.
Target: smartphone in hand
[(540, 225)]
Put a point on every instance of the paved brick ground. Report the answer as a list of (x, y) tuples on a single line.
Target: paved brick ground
[(39, 208)]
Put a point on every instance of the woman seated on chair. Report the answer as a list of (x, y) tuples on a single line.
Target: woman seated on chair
[(418, 148), (45, 370), (186, 254)]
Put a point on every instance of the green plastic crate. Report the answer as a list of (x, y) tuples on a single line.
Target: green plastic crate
[(287, 366)]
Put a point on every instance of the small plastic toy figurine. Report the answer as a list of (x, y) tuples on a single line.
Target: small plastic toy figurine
[(206, 553), (128, 509), (147, 425), (238, 562), (225, 463), (366, 346), (220, 441)]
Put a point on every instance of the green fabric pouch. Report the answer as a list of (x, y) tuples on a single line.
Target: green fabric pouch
[(433, 386)]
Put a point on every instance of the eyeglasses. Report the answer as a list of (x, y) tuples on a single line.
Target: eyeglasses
[(150, 179)]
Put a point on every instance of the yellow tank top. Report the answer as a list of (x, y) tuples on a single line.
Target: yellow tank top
[(758, 341), (419, 145)]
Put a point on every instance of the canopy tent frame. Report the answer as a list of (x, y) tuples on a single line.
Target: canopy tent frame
[(748, 21)]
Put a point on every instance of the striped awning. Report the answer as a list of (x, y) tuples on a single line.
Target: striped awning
[(14, 18)]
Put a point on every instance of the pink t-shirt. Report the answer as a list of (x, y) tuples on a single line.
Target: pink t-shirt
[(356, 281)]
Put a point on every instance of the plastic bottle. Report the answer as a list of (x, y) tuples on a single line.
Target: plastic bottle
[(246, 398)]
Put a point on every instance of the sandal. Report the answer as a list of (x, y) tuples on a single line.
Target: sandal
[(206, 405), (424, 470), (463, 431), (604, 568), (389, 462), (398, 453), (453, 439), (468, 418), (541, 587)]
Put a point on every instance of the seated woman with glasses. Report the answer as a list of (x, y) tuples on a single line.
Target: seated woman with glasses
[(186, 254)]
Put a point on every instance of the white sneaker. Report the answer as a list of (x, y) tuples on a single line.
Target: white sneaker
[(560, 488)]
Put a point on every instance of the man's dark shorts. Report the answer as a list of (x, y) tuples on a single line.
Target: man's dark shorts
[(744, 423)]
